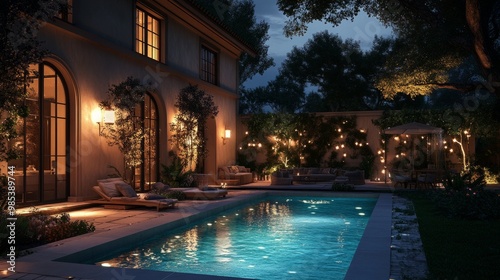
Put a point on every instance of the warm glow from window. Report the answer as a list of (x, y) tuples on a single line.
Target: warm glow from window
[(147, 35)]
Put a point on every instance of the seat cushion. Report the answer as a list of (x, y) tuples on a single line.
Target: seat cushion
[(151, 196)]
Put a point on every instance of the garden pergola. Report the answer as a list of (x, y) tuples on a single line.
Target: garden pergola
[(415, 128)]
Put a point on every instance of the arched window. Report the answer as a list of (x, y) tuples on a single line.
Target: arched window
[(42, 171), (148, 172)]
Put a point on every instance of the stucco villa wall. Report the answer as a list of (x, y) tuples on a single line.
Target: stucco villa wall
[(90, 63), (112, 19)]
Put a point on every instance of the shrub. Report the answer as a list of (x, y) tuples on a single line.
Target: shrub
[(464, 197), (175, 175), (38, 229)]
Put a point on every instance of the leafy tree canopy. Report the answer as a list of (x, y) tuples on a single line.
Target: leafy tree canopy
[(195, 107), (435, 36), (127, 132), (340, 75), (330, 64)]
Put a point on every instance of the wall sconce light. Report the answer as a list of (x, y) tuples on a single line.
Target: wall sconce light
[(103, 117), (227, 135)]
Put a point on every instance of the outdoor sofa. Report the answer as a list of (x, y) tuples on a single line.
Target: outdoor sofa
[(235, 175), (317, 174), (117, 194), (314, 174), (281, 178)]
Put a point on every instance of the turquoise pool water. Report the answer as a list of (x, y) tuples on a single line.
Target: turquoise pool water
[(276, 238)]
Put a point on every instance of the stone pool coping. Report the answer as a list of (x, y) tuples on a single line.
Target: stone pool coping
[(371, 260)]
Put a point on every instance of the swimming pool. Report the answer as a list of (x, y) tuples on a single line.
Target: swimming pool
[(274, 238)]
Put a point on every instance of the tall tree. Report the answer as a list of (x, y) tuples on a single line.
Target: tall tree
[(285, 94), (331, 65), (20, 21), (252, 101), (127, 132), (195, 107), (437, 35), (241, 17)]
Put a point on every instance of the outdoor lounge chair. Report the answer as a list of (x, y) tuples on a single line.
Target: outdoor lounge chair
[(123, 202), (201, 193), (205, 194)]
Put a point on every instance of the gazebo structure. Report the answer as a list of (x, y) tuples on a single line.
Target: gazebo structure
[(415, 128)]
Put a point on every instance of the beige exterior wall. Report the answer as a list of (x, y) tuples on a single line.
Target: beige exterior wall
[(384, 156), (111, 19), (228, 72), (183, 49), (97, 51)]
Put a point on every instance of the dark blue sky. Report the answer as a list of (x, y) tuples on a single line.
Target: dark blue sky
[(362, 29)]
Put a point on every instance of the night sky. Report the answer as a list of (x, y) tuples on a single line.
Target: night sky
[(362, 29)]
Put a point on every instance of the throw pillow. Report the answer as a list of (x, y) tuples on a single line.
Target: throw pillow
[(234, 169), (159, 186), (126, 189), (109, 188)]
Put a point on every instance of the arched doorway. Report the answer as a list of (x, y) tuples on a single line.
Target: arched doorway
[(148, 172), (42, 173)]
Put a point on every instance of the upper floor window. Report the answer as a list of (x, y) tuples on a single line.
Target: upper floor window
[(66, 11), (147, 34), (208, 68)]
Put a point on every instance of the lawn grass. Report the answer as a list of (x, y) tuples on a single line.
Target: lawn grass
[(457, 249)]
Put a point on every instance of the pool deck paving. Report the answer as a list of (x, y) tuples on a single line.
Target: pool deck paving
[(382, 253)]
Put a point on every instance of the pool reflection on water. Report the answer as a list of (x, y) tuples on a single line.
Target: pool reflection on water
[(275, 238)]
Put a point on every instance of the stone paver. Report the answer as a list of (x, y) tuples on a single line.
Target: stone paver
[(407, 253)]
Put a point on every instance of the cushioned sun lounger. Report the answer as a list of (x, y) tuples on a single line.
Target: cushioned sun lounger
[(208, 194), (127, 202), (204, 193)]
